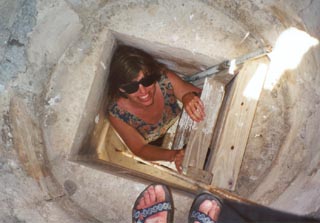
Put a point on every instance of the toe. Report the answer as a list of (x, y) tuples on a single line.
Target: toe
[(146, 196), (141, 203), (214, 211), (152, 195), (160, 193), (205, 207)]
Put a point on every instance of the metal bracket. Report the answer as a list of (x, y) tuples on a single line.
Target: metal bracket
[(227, 64)]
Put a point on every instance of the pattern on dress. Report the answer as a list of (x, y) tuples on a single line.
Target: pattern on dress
[(151, 132)]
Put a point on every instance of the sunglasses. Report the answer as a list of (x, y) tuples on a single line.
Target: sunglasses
[(133, 86)]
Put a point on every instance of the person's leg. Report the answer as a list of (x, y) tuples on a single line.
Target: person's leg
[(154, 204), (206, 208)]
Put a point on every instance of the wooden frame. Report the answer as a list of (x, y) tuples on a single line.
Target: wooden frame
[(113, 155), (230, 144), (197, 137), (215, 147)]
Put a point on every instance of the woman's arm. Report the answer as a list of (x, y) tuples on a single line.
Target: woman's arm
[(188, 95), (141, 148)]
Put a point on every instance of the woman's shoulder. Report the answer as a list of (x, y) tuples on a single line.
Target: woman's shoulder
[(114, 109), (166, 78), (170, 74)]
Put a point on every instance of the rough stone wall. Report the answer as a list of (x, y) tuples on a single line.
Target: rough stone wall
[(21, 200), (49, 51), (278, 157)]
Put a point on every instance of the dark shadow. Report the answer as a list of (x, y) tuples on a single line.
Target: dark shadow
[(238, 212)]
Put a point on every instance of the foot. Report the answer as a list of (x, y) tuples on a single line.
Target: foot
[(154, 205), (205, 208), (210, 208)]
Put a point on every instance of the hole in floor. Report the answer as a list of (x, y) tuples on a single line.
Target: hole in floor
[(101, 145)]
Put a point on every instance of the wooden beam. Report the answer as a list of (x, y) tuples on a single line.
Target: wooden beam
[(112, 150), (113, 158), (185, 125), (183, 131), (230, 146), (201, 133), (197, 137)]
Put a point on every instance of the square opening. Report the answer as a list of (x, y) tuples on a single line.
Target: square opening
[(98, 144)]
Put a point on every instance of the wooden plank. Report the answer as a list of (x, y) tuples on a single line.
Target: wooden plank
[(199, 175), (170, 135), (201, 133), (185, 125), (197, 137), (183, 131), (228, 153), (112, 150), (123, 164), (101, 151)]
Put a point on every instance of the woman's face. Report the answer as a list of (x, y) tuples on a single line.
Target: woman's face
[(144, 96)]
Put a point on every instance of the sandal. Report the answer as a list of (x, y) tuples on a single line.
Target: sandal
[(141, 215), (196, 215)]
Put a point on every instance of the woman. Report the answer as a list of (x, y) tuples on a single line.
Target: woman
[(142, 96)]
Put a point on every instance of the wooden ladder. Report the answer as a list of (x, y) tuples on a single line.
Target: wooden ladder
[(215, 147)]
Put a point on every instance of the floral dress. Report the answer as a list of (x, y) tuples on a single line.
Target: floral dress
[(151, 132)]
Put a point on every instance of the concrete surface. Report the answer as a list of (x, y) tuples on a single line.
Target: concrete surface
[(53, 56)]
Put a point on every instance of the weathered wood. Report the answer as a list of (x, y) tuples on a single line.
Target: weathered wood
[(170, 135), (112, 150), (183, 131), (197, 137), (228, 153), (199, 175), (122, 163), (185, 125), (101, 150), (201, 133)]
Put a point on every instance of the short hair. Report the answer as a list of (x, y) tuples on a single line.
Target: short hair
[(126, 63)]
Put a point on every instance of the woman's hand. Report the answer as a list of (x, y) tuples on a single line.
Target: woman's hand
[(193, 106), (188, 95), (179, 159)]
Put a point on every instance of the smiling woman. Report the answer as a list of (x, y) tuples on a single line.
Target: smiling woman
[(143, 104)]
